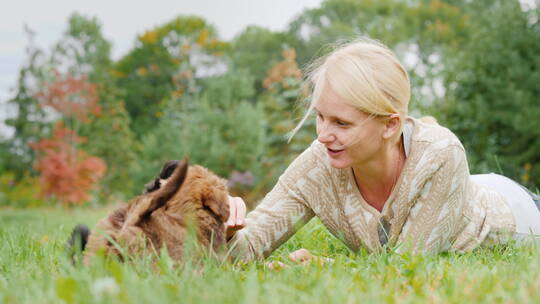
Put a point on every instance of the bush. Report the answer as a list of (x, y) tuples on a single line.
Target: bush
[(283, 91), (219, 129), (493, 91), (20, 193)]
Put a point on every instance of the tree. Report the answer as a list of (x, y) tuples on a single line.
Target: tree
[(217, 125), (83, 51), (284, 93), (256, 49), (30, 122), (492, 91), (418, 31), (149, 74), (66, 171)]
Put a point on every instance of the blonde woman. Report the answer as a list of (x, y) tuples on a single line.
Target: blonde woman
[(376, 177)]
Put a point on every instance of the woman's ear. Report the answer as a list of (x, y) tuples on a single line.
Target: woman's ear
[(392, 126)]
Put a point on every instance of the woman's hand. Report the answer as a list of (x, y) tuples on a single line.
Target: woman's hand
[(237, 216), (304, 257), (301, 256)]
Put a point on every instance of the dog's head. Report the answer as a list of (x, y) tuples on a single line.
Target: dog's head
[(203, 198), (185, 192)]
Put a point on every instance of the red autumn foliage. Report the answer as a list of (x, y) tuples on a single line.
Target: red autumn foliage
[(66, 172), (72, 97)]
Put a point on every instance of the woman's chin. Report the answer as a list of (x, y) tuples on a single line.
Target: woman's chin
[(339, 164)]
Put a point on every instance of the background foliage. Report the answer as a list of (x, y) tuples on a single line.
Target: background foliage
[(228, 105)]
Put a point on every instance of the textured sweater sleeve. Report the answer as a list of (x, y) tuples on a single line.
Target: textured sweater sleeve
[(282, 212), (433, 220)]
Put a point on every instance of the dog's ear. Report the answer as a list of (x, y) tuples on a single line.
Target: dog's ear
[(219, 206), (165, 193), (168, 169), (152, 186)]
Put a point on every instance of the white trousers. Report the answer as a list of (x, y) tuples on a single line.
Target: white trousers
[(524, 209)]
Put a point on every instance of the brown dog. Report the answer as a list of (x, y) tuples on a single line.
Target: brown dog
[(160, 217)]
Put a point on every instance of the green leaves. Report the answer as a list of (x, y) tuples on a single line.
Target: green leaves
[(149, 74), (182, 90), (219, 128), (492, 89)]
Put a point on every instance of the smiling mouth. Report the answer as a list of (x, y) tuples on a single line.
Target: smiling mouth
[(334, 151)]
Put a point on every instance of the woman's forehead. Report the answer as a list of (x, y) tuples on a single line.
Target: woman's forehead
[(331, 104)]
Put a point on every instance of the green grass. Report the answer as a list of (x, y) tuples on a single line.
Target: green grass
[(34, 268)]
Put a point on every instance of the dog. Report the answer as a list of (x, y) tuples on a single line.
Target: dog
[(158, 218)]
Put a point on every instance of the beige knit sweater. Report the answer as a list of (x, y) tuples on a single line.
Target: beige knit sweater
[(434, 206)]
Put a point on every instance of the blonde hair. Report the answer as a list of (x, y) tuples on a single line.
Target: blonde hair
[(365, 73)]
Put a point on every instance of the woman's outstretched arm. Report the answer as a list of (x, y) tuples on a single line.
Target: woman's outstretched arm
[(282, 212)]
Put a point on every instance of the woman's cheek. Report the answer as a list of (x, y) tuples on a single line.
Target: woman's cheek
[(355, 137), (347, 138)]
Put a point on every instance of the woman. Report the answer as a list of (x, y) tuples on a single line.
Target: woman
[(376, 177)]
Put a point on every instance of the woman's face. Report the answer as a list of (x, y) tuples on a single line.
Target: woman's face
[(351, 137)]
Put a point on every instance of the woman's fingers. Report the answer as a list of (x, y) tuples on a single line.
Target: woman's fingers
[(237, 214), (232, 212), (240, 212), (304, 257), (300, 255)]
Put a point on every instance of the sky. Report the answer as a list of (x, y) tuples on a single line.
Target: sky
[(121, 22)]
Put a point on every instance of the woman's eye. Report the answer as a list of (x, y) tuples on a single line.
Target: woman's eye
[(342, 123)]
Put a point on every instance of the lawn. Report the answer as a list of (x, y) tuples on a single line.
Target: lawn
[(34, 268)]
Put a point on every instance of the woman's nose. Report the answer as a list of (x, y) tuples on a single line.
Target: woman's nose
[(324, 135)]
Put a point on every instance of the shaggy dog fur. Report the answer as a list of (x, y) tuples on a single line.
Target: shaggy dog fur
[(159, 217)]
